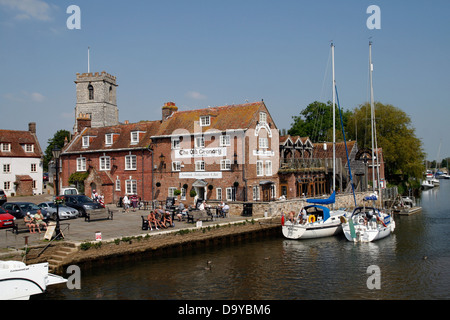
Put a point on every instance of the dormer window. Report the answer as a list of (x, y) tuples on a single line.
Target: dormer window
[(109, 139), (85, 142), (205, 121), (5, 147), (134, 137), (29, 148)]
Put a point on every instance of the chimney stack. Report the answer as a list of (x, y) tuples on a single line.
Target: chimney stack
[(168, 109), (83, 121), (32, 127)]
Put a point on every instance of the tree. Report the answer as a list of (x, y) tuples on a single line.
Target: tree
[(57, 140), (316, 122), (402, 150)]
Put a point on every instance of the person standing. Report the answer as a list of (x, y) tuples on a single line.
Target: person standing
[(126, 203)]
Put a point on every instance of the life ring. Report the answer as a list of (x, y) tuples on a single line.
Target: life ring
[(311, 219)]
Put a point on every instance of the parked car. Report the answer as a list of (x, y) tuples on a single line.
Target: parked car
[(20, 209), (45, 176), (68, 190), (3, 197), (65, 212), (6, 220), (82, 203)]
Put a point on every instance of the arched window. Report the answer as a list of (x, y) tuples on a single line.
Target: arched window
[(91, 92)]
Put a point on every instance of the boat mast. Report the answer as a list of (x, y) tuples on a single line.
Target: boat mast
[(372, 114), (334, 119)]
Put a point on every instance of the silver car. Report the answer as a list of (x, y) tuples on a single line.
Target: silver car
[(64, 211)]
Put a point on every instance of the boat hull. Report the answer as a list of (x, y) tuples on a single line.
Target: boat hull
[(319, 229), (367, 233)]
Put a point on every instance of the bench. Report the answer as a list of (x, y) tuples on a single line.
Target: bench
[(199, 215), (98, 214), (21, 226)]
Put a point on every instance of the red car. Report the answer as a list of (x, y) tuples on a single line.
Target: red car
[(6, 220)]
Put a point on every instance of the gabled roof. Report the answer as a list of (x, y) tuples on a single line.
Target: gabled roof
[(222, 118), (121, 139), (320, 152), (18, 139)]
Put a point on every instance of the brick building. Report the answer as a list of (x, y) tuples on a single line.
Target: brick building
[(221, 153)]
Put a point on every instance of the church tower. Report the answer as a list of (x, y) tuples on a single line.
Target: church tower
[(96, 97)]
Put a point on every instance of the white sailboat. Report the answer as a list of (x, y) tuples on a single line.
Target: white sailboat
[(19, 281), (319, 220), (368, 224)]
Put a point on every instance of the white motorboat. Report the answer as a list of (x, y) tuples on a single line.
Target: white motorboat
[(406, 206), (427, 184), (319, 221), (367, 224), (19, 281)]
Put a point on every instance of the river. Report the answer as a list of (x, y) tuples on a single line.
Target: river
[(414, 263)]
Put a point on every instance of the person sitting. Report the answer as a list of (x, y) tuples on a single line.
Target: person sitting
[(302, 216), (39, 221), (167, 218), (291, 216), (225, 210), (160, 215), (29, 223), (182, 211), (152, 219)]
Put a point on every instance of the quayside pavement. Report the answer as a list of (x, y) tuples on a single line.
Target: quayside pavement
[(78, 230)]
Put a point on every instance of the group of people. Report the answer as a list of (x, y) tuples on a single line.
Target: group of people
[(35, 222), (132, 201), (160, 217), (301, 218), (98, 198)]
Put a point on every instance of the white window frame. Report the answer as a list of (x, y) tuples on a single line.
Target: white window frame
[(256, 193), (85, 141), (105, 163), (268, 168), (131, 186), (199, 142), (225, 141), (200, 165), (225, 164), (134, 136), (33, 167), (262, 117), (176, 166), (176, 143), (259, 168), (183, 194), (263, 143), (29, 148), (7, 185), (109, 138), (117, 185), (171, 191), (219, 193), (130, 162), (205, 121), (81, 164), (6, 147), (229, 194), (6, 168)]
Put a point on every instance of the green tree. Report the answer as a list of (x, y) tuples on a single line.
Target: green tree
[(402, 150), (57, 140), (316, 122)]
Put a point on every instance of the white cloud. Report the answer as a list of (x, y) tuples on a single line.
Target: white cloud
[(24, 96), (196, 95), (29, 9)]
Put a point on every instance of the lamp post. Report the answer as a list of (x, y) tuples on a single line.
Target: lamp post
[(56, 154)]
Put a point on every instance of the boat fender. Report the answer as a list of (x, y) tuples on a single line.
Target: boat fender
[(343, 220), (311, 219), (282, 219)]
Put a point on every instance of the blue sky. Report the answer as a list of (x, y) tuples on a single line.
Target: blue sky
[(200, 53)]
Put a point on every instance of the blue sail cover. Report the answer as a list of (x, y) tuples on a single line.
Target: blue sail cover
[(371, 197), (330, 200)]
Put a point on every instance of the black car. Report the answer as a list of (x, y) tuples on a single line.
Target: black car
[(81, 203), (3, 197), (20, 209)]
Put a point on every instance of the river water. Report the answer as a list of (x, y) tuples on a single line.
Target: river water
[(414, 263)]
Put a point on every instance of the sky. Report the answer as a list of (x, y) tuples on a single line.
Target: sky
[(200, 53)]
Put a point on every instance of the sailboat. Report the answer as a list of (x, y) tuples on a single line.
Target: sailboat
[(368, 223), (316, 220)]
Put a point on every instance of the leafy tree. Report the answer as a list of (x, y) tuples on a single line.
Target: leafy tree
[(57, 140), (316, 122), (402, 150)]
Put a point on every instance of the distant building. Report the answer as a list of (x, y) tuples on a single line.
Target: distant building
[(21, 162)]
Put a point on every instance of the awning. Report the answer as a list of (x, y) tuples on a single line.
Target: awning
[(200, 183), (264, 182)]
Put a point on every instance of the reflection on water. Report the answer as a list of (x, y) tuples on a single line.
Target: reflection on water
[(414, 264)]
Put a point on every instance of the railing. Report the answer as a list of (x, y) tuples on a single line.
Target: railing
[(307, 164)]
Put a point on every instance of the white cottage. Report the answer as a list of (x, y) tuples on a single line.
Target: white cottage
[(21, 171)]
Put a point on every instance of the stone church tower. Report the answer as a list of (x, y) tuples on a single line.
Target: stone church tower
[(96, 97)]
